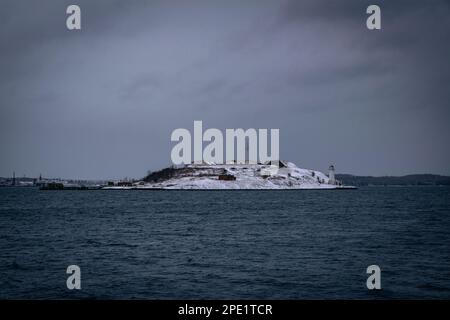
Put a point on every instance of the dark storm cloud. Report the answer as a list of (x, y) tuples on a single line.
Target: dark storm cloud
[(102, 102)]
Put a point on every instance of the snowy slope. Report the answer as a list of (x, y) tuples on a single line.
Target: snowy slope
[(248, 176)]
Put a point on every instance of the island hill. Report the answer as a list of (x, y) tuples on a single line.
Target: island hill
[(210, 176)]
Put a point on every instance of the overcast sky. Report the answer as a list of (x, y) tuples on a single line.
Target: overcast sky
[(102, 102)]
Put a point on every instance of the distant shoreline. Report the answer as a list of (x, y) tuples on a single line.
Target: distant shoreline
[(354, 180), (407, 180)]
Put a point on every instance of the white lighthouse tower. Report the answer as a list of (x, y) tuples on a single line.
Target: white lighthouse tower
[(331, 175)]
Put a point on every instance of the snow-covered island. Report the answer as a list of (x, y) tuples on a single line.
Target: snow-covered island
[(209, 176)]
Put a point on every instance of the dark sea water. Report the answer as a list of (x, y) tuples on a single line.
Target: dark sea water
[(225, 244)]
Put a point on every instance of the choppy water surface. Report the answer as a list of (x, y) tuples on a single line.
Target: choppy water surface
[(225, 244)]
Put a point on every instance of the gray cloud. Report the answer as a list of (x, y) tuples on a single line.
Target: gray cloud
[(102, 102)]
